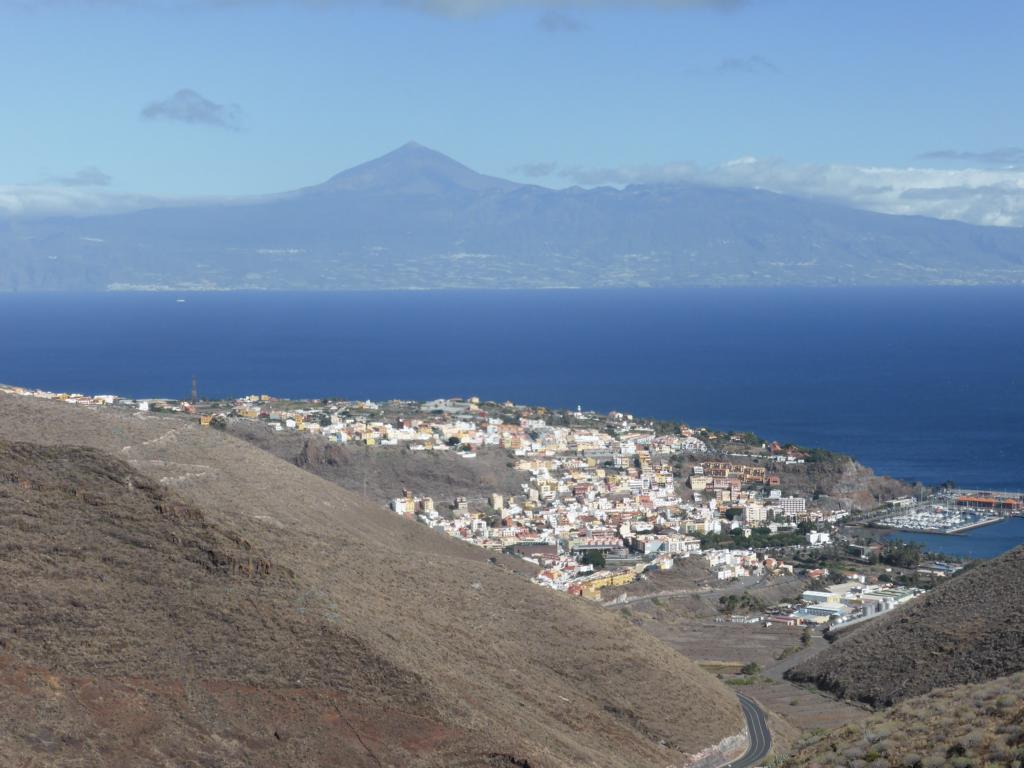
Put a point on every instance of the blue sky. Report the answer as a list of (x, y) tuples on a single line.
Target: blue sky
[(798, 95)]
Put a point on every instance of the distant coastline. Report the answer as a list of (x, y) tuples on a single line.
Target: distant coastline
[(873, 373), (417, 218)]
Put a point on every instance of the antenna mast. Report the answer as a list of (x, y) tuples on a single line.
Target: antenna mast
[(195, 395)]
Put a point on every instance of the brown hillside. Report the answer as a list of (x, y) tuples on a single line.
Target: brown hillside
[(203, 600), (967, 725), (967, 630), (386, 472), (132, 628)]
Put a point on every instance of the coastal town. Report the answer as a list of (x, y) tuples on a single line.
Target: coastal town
[(609, 499)]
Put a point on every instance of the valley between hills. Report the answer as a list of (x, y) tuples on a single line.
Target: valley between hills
[(184, 595), (177, 596)]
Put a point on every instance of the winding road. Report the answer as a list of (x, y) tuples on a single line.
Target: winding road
[(760, 736)]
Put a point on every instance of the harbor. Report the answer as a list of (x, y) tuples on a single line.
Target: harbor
[(951, 513), (979, 542)]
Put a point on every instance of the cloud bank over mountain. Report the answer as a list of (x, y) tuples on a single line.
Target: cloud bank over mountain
[(1010, 157), (990, 196), (416, 219)]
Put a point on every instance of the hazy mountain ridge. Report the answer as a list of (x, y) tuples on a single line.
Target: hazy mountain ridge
[(417, 219)]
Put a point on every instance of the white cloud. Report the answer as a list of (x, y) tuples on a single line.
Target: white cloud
[(50, 199), (60, 200), (555, 21), (977, 195), (90, 176), (457, 8), (475, 7), (991, 196), (187, 106), (749, 65), (1008, 157)]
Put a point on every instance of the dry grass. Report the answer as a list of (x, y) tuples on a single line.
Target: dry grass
[(967, 630), (970, 726), (806, 710), (710, 641), (500, 665), (385, 472)]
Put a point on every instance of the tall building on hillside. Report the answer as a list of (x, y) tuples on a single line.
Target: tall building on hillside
[(792, 505)]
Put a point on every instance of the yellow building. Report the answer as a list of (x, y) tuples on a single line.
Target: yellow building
[(698, 526), (593, 586)]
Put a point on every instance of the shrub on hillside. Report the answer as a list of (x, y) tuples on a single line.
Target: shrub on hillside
[(971, 726)]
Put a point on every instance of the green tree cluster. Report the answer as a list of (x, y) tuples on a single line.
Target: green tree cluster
[(594, 557), (900, 554), (744, 603)]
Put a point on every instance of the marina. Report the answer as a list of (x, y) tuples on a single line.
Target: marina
[(976, 543), (951, 512)]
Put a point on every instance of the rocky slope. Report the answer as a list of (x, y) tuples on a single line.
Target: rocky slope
[(967, 630), (132, 629), (968, 725), (174, 596), (383, 473), (843, 479)]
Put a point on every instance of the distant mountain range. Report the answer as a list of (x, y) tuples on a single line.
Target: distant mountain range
[(417, 219)]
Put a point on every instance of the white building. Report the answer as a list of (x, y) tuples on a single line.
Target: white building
[(792, 505), (755, 515)]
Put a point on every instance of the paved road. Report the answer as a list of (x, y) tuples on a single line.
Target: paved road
[(777, 669), (760, 736)]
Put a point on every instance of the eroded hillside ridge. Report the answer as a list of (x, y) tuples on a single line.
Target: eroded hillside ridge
[(364, 640), (383, 473), (118, 589), (845, 479), (967, 630), (87, 489)]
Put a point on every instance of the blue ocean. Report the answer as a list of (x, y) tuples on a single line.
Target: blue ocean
[(987, 541), (923, 383)]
